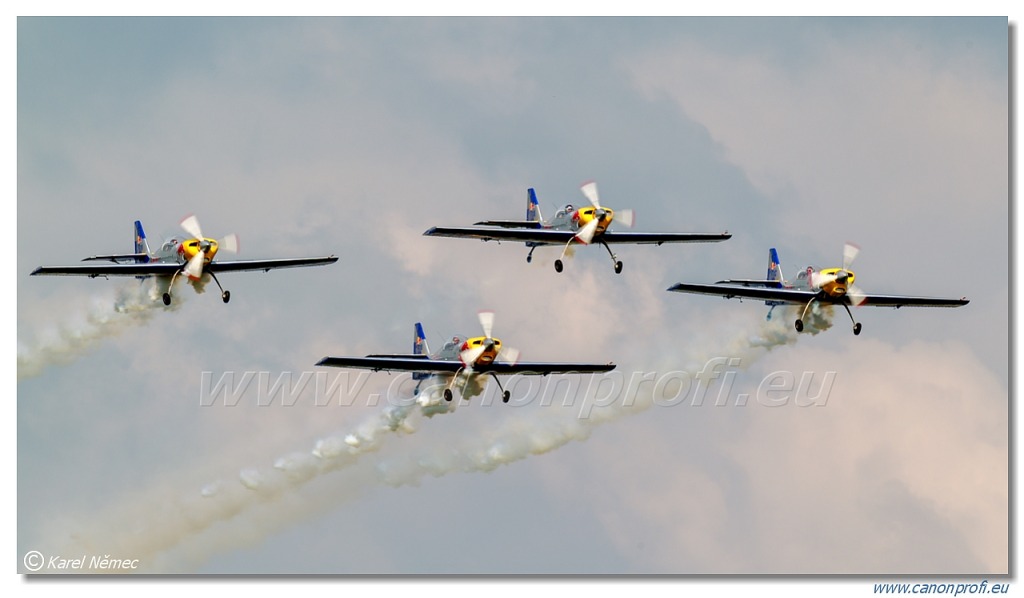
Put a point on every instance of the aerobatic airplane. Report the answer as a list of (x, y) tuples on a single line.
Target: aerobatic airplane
[(831, 286), (463, 359), (570, 225), (190, 255)]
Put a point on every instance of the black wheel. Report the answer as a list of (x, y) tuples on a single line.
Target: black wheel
[(167, 298), (856, 329), (799, 325), (506, 396), (618, 267), (529, 259), (558, 265), (226, 296), (447, 394)]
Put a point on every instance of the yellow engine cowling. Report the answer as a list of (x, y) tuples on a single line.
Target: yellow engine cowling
[(585, 216), (190, 248), (835, 285), (489, 354)]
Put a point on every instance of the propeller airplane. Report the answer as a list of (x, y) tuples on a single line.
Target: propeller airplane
[(191, 255), (830, 286), (465, 358), (585, 225)]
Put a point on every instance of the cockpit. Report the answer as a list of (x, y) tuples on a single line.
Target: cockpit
[(566, 211)]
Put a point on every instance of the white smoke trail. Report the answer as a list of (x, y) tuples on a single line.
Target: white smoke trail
[(148, 529), (133, 305), (159, 535)]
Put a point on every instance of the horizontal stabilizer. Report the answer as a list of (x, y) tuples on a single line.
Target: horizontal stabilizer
[(751, 283), (509, 223), (120, 258), (398, 356)]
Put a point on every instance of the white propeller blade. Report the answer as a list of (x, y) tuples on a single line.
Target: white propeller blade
[(229, 243), (487, 322), (191, 226), (509, 355), (590, 191), (850, 252), (857, 296), (625, 218), (194, 267), (586, 234), (469, 356)]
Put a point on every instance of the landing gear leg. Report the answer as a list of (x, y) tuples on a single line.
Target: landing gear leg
[(615, 260), (529, 256), (856, 324), (505, 395), (800, 322), (225, 295), (558, 262), (167, 295), (448, 390)]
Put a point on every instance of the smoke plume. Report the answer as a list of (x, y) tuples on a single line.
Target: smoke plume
[(77, 334), (258, 501)]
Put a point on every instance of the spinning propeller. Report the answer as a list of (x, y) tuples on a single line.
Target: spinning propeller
[(586, 233), (194, 267), (842, 275), (471, 355)]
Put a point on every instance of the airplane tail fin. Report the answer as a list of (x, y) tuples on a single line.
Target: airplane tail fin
[(419, 347), (532, 206), (774, 274), (141, 245), (419, 341), (774, 268)]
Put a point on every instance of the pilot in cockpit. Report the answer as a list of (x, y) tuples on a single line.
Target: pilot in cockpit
[(455, 343)]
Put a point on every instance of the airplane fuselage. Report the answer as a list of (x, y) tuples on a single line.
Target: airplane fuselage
[(179, 250), (833, 283), (453, 350), (572, 219)]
